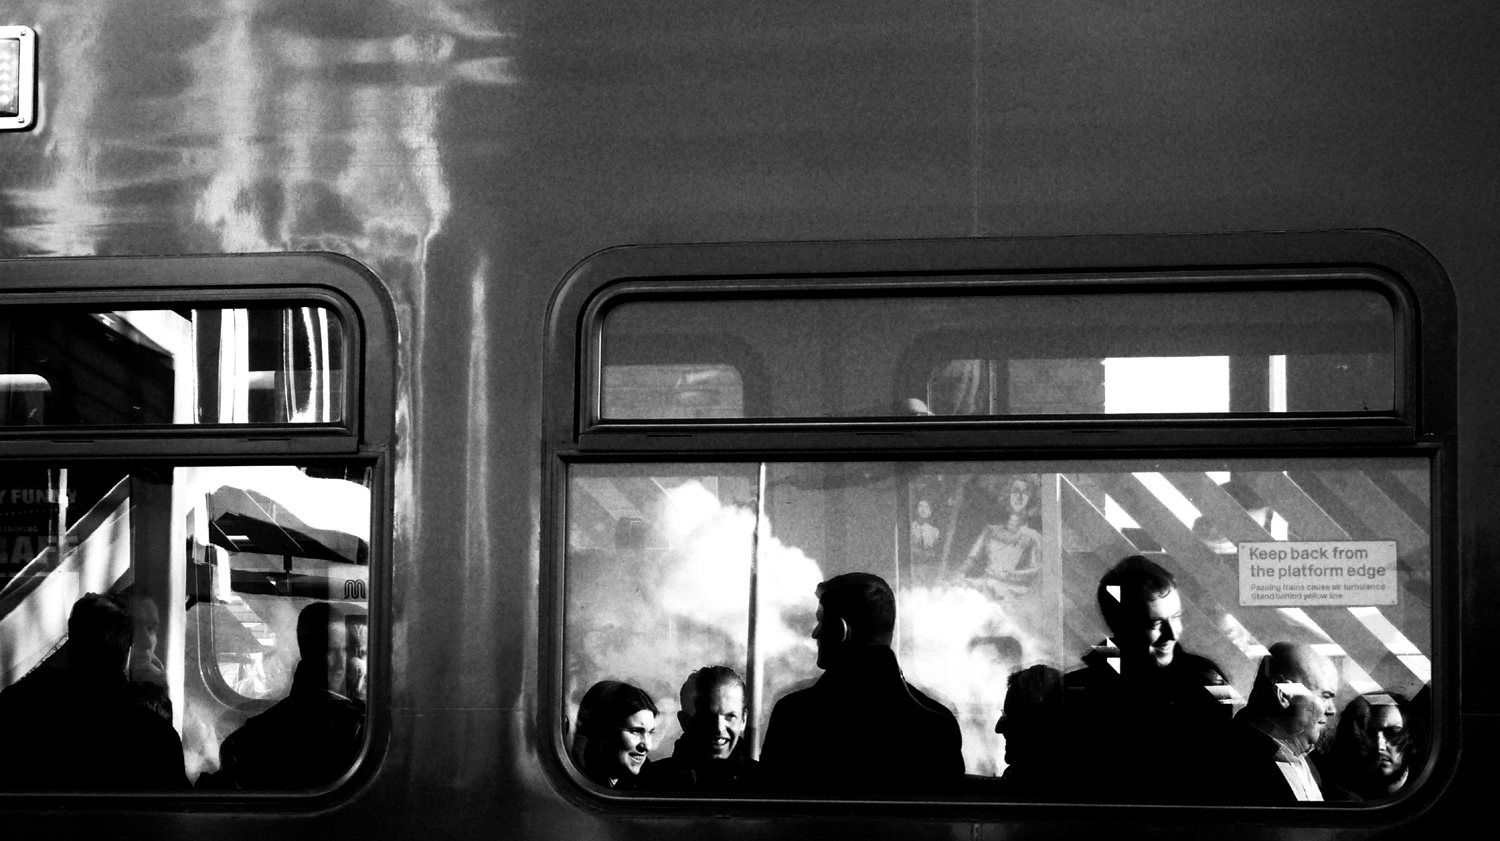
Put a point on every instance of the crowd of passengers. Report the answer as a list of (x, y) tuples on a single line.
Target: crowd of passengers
[(1139, 702), (104, 721)]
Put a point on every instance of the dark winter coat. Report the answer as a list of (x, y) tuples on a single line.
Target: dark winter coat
[(862, 729)]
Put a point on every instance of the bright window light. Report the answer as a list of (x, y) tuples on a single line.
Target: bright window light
[(1166, 384), (1169, 496), (1116, 516), (1278, 384)]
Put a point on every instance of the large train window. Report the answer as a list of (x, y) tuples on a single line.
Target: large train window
[(189, 529), (1008, 523)]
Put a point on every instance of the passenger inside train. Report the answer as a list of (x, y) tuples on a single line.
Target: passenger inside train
[(614, 733), (81, 727), (311, 737), (1030, 722), (711, 754), (1267, 753), (822, 738), (264, 564), (1067, 736), (1370, 755), (1140, 692)]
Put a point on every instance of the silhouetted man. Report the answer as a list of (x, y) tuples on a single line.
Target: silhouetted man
[(861, 728), (81, 728), (1140, 694), (1032, 719), (711, 754), (1288, 710), (311, 737)]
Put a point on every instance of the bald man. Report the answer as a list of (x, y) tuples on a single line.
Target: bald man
[(1289, 708)]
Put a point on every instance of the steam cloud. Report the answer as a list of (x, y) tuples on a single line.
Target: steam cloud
[(651, 615), (946, 651)]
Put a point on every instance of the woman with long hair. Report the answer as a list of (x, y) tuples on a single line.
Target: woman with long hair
[(615, 732)]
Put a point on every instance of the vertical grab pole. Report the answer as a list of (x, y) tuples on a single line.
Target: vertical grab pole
[(755, 667), (60, 536)]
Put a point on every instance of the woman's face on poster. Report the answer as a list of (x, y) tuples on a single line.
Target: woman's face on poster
[(1020, 495)]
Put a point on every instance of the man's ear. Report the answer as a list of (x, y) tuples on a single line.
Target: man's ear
[(1286, 691), (829, 617)]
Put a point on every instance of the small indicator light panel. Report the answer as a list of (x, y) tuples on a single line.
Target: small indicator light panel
[(17, 78)]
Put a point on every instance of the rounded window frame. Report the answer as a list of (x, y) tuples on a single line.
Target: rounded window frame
[(364, 436), (1423, 422)]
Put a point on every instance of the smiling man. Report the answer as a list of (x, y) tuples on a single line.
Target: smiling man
[(1140, 693), (711, 754)]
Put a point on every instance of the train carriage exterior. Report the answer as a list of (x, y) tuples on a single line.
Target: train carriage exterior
[(555, 343)]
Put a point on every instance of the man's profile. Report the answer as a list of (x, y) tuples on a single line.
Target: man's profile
[(311, 737), (1287, 713), (82, 728), (861, 727)]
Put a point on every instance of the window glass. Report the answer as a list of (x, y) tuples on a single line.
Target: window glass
[(644, 392), (1282, 350), (998, 571), (69, 366), (225, 645)]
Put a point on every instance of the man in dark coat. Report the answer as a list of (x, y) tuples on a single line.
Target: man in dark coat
[(861, 728), (711, 754), (82, 728), (1266, 757), (1140, 698), (1030, 721), (311, 737)]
